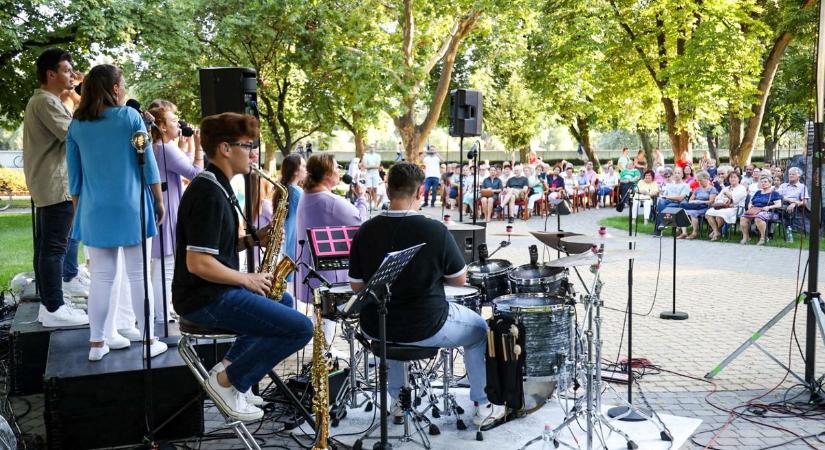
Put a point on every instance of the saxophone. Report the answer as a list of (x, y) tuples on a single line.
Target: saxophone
[(320, 378), (269, 263)]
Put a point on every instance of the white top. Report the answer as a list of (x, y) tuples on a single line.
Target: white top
[(372, 161), (353, 168), (432, 166)]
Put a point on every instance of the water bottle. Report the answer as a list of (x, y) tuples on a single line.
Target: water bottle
[(547, 438)]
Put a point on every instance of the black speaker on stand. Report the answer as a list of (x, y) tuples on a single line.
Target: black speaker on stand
[(675, 218), (466, 112), (232, 89)]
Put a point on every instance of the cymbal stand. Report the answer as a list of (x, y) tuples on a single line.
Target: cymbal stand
[(593, 372), (354, 384)]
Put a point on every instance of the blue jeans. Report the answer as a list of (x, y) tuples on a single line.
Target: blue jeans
[(430, 183), (52, 224), (268, 332), (463, 328), (70, 269)]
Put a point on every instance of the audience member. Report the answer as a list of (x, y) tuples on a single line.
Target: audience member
[(624, 159), (516, 189), (432, 162), (490, 191), (647, 191), (763, 208), (641, 160), (727, 206), (672, 194), (699, 201), (794, 200)]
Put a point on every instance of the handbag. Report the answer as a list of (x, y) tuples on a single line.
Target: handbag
[(753, 210), (689, 206)]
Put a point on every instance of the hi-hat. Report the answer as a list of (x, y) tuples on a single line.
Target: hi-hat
[(599, 240), (582, 259)]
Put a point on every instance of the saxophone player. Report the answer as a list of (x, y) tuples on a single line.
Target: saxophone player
[(208, 288)]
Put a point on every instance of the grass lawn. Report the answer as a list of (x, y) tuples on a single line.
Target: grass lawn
[(21, 203), (15, 246), (620, 222)]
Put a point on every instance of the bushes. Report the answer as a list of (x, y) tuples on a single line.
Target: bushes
[(14, 179)]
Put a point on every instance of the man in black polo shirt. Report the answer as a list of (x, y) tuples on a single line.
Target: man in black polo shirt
[(209, 290), (419, 313)]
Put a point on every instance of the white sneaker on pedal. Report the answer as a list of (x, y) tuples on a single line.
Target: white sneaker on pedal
[(65, 316), (75, 288), (230, 401), (253, 399), (156, 348), (97, 353), (488, 414), (133, 334), (117, 342)]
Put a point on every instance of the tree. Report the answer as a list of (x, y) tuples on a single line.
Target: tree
[(277, 38), (787, 19), (84, 28), (699, 54), (512, 115)]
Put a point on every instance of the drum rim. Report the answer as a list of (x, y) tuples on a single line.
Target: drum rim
[(483, 275), (542, 308), (476, 292)]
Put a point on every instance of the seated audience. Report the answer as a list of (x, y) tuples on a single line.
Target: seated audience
[(648, 190), (727, 206), (700, 200), (765, 204)]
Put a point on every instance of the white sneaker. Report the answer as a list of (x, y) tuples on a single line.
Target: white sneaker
[(75, 288), (65, 316), (97, 353), (253, 399), (84, 278), (117, 342), (230, 401), (133, 334), (488, 414), (155, 349)]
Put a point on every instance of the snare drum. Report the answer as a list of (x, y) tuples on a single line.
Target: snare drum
[(539, 279), (464, 295), (490, 278), (548, 329), (333, 297)]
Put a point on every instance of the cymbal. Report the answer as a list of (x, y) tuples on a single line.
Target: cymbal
[(509, 234), (599, 240), (590, 258), (553, 239)]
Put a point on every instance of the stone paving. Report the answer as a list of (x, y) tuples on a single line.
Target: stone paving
[(729, 290)]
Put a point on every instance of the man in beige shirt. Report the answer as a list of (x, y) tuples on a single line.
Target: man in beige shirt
[(45, 125)]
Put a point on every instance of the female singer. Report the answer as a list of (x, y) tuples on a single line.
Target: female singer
[(104, 181), (293, 172), (319, 207), (174, 165)]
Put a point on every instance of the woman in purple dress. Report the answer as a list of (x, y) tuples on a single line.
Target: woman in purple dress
[(174, 165), (319, 207)]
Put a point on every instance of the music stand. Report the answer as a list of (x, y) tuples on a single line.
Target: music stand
[(378, 288)]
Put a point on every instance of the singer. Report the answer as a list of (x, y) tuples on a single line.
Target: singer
[(208, 288), (104, 182)]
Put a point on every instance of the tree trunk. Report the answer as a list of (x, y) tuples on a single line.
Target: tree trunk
[(712, 145), (679, 139), (357, 131), (735, 140), (770, 148), (581, 132), (524, 154), (644, 138)]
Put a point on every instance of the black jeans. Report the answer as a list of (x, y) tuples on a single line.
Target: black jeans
[(53, 224)]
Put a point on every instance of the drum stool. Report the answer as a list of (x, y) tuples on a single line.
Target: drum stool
[(413, 376), (191, 332)]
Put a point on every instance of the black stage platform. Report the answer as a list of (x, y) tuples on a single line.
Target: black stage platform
[(29, 347), (101, 404)]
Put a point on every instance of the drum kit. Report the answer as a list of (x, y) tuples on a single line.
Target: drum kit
[(539, 343)]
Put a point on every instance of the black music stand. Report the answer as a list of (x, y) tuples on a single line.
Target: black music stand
[(378, 288)]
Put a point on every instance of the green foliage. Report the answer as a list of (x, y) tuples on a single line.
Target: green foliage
[(790, 102), (16, 245)]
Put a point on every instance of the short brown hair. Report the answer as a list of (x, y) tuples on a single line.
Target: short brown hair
[(226, 127), (403, 180), (318, 166)]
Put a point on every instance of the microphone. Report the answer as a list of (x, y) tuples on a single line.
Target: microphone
[(311, 272), (140, 141), (473, 151), (482, 253), (347, 178), (148, 120)]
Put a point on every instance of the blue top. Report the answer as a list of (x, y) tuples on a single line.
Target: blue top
[(291, 239), (103, 173), (761, 200)]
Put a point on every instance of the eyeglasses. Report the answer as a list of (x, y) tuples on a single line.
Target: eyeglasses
[(248, 146)]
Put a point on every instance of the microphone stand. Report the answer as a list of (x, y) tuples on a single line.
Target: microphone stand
[(459, 198), (476, 158)]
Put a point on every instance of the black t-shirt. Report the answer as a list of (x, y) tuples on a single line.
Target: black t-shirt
[(207, 223), (418, 307), (517, 182)]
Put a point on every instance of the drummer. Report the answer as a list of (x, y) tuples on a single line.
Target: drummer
[(419, 313)]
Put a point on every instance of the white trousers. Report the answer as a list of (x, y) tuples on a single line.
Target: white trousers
[(157, 287), (646, 204), (103, 270)]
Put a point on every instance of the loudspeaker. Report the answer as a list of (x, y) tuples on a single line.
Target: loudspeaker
[(228, 89), (468, 237), (465, 113), (673, 216)]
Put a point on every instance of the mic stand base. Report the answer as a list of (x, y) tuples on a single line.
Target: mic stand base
[(673, 315), (629, 413)]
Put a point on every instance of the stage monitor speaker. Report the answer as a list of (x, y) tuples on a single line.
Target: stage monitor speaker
[(670, 217), (466, 112), (228, 89), (468, 237)]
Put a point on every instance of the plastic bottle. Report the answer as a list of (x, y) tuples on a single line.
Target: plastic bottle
[(547, 438)]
